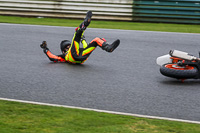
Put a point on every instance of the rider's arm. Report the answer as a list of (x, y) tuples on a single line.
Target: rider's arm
[(51, 56), (54, 58)]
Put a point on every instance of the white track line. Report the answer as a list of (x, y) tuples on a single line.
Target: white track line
[(103, 111)]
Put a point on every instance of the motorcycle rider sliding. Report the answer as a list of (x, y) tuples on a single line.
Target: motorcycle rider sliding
[(72, 53)]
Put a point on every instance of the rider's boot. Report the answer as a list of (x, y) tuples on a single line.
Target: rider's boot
[(110, 47), (86, 21)]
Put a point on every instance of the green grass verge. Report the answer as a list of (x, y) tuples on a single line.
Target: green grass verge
[(185, 28), (27, 118)]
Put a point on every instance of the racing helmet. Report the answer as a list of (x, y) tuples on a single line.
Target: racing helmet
[(65, 45)]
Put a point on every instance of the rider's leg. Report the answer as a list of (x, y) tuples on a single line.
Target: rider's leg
[(105, 46), (83, 41), (88, 50), (99, 42), (84, 44), (79, 34), (82, 27), (83, 53)]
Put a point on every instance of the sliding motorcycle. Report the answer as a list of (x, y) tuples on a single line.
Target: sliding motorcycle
[(180, 65)]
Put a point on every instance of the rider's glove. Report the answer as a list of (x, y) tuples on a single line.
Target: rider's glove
[(44, 45)]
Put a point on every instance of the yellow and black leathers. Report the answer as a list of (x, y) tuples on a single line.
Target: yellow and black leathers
[(75, 54)]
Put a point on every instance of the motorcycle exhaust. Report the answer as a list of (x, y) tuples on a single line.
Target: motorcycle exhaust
[(182, 55), (163, 60)]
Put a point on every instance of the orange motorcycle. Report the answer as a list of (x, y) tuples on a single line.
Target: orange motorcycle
[(179, 65)]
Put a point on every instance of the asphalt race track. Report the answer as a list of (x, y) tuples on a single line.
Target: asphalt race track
[(127, 80)]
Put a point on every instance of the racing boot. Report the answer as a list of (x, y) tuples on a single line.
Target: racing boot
[(86, 21), (110, 47), (88, 18)]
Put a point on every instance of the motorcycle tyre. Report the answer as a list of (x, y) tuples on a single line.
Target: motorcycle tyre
[(178, 73)]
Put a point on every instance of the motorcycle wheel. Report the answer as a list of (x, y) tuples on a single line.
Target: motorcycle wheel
[(179, 72)]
